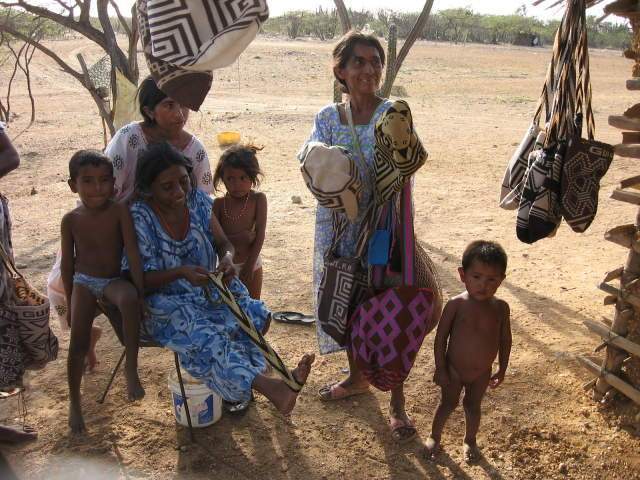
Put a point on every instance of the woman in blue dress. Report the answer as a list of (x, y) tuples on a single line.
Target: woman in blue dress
[(180, 242), (358, 60)]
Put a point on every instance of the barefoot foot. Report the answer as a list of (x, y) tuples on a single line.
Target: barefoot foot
[(471, 452), (76, 422), (17, 434), (134, 387), (431, 448), (287, 397)]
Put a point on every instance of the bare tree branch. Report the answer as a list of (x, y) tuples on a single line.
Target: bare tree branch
[(111, 44), (413, 35), (343, 14), (121, 19), (12, 31), (83, 26)]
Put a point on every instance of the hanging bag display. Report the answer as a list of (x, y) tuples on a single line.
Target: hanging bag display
[(586, 160), (513, 181), (388, 329), (32, 317)]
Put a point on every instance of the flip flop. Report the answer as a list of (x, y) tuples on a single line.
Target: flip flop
[(294, 318), (402, 431), (333, 391), (237, 407)]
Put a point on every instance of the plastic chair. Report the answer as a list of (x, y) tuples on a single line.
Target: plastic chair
[(115, 319)]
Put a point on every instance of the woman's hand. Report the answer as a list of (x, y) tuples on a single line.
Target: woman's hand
[(225, 266), (195, 275)]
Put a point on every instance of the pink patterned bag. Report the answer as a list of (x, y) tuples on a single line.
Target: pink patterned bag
[(388, 329)]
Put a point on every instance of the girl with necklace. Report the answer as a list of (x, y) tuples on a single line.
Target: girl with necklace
[(242, 212)]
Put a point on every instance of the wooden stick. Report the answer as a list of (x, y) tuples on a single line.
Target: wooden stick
[(610, 300), (612, 380), (613, 274), (625, 196), (623, 235), (607, 321), (626, 296), (628, 150), (590, 384), (631, 182), (609, 337)]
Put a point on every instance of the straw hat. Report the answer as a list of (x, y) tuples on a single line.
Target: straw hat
[(332, 177)]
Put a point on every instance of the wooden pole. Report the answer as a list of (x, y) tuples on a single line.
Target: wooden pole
[(615, 382), (611, 338)]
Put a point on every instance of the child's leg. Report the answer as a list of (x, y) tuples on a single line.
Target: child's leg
[(448, 403), (123, 295), (92, 357), (83, 305), (255, 284), (473, 394)]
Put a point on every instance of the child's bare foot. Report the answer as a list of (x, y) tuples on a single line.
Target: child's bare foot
[(431, 448), (92, 359), (76, 422), (134, 387), (286, 398), (17, 434), (471, 452)]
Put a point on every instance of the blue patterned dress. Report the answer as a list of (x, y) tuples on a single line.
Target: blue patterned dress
[(328, 129), (210, 344)]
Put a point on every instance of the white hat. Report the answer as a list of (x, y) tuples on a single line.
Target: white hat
[(332, 177)]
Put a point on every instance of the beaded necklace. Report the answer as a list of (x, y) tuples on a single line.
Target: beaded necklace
[(242, 211)]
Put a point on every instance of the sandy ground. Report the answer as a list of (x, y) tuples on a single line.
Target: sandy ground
[(472, 105)]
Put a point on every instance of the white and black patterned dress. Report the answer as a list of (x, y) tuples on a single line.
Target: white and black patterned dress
[(129, 143)]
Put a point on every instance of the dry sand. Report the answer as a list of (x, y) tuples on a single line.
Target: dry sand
[(472, 105)]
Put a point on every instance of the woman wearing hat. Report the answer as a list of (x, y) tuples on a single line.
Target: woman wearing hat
[(358, 60)]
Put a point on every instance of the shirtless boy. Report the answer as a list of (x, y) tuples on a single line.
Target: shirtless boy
[(473, 330), (93, 238)]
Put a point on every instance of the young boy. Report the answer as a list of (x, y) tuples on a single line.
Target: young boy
[(473, 329), (93, 238)]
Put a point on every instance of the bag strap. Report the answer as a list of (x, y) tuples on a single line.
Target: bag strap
[(408, 244), (8, 263), (546, 95), (354, 134)]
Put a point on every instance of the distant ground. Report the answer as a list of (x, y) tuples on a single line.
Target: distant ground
[(472, 105)]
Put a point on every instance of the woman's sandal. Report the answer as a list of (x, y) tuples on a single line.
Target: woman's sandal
[(294, 318), (334, 391), (402, 431)]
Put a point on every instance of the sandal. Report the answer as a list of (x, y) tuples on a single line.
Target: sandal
[(402, 431), (334, 391), (294, 318)]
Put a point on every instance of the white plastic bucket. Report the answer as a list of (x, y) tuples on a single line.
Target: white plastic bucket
[(205, 406)]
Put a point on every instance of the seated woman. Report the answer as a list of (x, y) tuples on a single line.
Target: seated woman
[(180, 241)]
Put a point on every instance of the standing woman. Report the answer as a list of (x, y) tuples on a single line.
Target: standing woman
[(164, 120), (358, 60)]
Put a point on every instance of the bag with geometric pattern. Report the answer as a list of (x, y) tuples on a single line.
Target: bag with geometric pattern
[(388, 329), (32, 317)]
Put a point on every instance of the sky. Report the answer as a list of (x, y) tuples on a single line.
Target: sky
[(495, 7)]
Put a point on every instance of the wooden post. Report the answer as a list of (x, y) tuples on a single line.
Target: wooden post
[(614, 381)]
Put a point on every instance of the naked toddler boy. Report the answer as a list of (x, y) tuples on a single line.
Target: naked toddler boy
[(473, 330)]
